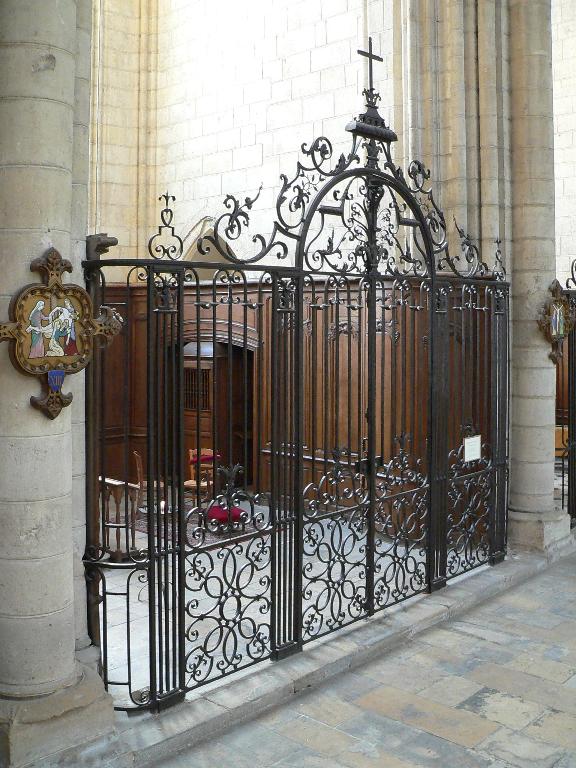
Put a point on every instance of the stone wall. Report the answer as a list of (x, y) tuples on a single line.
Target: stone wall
[(238, 93), (202, 103), (123, 119), (226, 99), (564, 71)]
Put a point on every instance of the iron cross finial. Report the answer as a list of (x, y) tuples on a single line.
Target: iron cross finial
[(167, 198), (371, 58)]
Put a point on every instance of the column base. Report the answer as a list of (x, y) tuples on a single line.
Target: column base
[(33, 729), (547, 532)]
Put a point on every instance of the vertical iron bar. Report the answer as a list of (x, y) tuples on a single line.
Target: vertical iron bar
[(439, 407), (150, 500), (181, 463), (297, 526), (572, 421), (273, 399), (371, 417)]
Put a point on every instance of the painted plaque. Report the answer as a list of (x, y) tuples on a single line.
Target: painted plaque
[(556, 320), (53, 330)]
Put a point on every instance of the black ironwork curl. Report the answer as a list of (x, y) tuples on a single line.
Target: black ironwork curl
[(166, 244)]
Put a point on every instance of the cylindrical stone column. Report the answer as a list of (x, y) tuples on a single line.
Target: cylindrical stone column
[(48, 701), (534, 521), (79, 222), (37, 58)]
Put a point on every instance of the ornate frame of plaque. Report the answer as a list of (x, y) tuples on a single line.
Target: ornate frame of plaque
[(556, 319), (53, 328)]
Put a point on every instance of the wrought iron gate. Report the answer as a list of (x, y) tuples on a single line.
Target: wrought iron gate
[(565, 437), (286, 441)]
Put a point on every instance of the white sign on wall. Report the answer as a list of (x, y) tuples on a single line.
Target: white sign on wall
[(473, 448)]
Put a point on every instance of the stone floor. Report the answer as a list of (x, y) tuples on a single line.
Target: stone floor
[(494, 689)]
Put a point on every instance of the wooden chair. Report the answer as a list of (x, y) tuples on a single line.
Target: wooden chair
[(114, 491), (141, 482), (201, 473)]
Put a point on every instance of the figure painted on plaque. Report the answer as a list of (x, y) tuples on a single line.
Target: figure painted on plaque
[(60, 331), (557, 320), (36, 331), (71, 347)]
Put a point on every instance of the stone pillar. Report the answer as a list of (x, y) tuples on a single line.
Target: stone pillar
[(534, 521), (47, 700), (79, 221)]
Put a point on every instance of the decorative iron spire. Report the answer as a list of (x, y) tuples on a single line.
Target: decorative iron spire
[(371, 125), (166, 244), (371, 57)]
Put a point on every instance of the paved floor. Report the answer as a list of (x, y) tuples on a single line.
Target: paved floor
[(495, 689)]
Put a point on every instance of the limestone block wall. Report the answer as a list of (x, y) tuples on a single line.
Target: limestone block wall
[(123, 118), (240, 91), (204, 98), (564, 73), (209, 98)]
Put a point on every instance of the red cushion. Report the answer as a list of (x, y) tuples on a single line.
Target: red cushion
[(217, 512), (205, 458)]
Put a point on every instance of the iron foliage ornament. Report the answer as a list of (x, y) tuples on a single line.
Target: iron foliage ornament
[(339, 213), (53, 330), (556, 320), (166, 244)]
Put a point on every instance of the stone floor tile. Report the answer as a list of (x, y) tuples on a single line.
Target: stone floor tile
[(409, 676), (492, 634), (446, 662), (304, 758), (535, 618), (564, 633), (555, 728), (566, 608), (327, 709), (316, 736), (568, 761), (535, 664), (451, 691), (520, 600), (525, 686), (391, 737), (371, 756), (458, 726), (209, 755), (571, 682), (350, 686), (557, 653), (503, 708), (520, 750), (278, 716), (449, 637), (259, 745)]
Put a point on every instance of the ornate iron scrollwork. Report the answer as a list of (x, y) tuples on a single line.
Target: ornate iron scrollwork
[(166, 244), (353, 217)]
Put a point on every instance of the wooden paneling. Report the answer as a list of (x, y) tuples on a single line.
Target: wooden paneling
[(237, 425)]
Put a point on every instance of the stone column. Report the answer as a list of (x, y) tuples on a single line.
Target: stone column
[(79, 222), (534, 520), (47, 700)]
